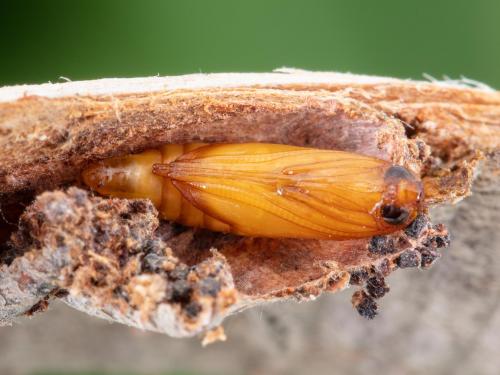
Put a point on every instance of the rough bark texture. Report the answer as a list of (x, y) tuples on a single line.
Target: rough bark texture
[(48, 134)]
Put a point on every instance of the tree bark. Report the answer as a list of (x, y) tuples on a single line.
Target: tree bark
[(445, 317)]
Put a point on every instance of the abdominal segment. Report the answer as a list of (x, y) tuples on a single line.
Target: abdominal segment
[(264, 190), (132, 176), (174, 206)]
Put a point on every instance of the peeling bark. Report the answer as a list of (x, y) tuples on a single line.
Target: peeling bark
[(67, 243)]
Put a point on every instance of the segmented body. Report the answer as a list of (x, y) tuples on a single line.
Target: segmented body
[(177, 208), (267, 190)]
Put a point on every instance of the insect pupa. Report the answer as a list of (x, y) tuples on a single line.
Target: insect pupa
[(266, 190)]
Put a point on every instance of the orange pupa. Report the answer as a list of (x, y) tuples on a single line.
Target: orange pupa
[(266, 190)]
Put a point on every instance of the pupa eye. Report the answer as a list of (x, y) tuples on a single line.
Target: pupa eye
[(394, 215)]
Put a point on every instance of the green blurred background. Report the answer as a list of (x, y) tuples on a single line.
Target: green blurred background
[(44, 40)]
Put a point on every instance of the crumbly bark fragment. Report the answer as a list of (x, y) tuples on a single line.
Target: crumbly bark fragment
[(106, 258)]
